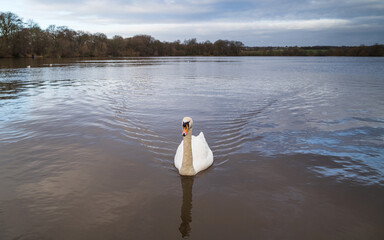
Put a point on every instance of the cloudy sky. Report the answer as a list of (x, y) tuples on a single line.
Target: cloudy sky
[(254, 22)]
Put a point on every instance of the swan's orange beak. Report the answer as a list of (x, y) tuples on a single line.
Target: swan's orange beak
[(185, 130)]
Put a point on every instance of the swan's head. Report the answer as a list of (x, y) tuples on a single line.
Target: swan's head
[(187, 125)]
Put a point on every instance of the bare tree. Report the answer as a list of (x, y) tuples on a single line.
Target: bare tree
[(10, 24)]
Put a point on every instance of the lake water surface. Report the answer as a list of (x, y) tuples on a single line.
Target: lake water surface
[(87, 147)]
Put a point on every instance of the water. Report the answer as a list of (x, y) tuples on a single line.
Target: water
[(87, 147)]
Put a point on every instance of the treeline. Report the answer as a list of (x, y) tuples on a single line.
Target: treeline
[(27, 39), (360, 51), (20, 39)]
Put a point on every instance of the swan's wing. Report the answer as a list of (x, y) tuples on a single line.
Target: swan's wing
[(179, 156), (202, 154)]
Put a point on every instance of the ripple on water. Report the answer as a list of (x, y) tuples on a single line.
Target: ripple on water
[(92, 142)]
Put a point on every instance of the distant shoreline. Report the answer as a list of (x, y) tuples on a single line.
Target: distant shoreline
[(376, 50), (19, 39), (350, 51), (368, 51)]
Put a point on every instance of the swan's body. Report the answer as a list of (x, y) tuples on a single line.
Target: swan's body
[(202, 156), (193, 154)]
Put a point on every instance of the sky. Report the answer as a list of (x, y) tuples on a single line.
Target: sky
[(253, 22)]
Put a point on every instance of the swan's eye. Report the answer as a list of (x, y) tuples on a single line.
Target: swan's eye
[(185, 124)]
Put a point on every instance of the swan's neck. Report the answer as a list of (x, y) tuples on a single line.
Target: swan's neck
[(187, 164)]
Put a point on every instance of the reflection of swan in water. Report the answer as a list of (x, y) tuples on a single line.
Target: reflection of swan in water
[(186, 208)]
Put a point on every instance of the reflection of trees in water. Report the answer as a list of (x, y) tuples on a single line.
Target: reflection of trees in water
[(11, 90), (186, 208)]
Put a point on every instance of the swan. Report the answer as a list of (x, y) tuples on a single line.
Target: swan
[(193, 154)]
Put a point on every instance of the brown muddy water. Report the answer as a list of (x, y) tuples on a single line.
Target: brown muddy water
[(87, 147)]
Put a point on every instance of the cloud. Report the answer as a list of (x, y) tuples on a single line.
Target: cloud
[(187, 10), (206, 19), (117, 8), (264, 25)]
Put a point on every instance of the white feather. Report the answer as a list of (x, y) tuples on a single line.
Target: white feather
[(201, 154)]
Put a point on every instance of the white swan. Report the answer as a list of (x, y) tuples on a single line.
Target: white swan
[(193, 154)]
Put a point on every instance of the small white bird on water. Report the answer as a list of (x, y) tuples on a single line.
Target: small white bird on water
[(193, 154)]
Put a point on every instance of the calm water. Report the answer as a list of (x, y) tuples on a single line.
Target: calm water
[(87, 147)]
